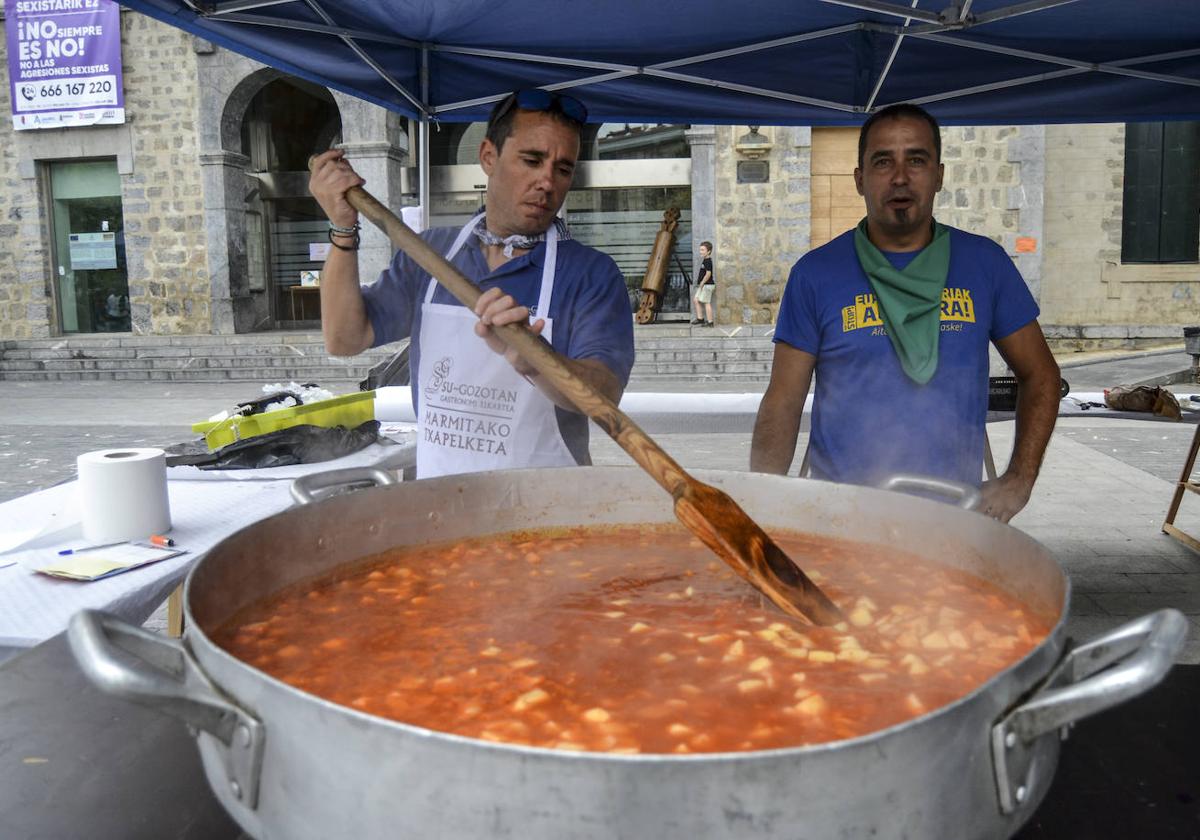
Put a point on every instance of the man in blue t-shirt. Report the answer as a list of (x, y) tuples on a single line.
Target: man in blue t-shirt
[(895, 319), (479, 406)]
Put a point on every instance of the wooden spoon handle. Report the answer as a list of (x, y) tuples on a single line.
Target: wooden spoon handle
[(709, 513), (532, 348)]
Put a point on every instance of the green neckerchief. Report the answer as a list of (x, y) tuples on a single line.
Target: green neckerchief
[(910, 301)]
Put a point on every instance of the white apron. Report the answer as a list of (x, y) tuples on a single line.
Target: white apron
[(477, 413)]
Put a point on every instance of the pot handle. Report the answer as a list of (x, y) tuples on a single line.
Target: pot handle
[(1106, 671), (963, 495), (306, 487), (160, 673)]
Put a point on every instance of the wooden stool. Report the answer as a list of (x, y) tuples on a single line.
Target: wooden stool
[(1185, 483)]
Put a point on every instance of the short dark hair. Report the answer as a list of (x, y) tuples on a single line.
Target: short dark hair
[(706, 244), (500, 121), (899, 111)]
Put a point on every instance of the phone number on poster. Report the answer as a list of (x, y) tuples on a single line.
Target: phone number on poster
[(93, 92)]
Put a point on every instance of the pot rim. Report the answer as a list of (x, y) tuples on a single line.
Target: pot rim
[(1053, 637)]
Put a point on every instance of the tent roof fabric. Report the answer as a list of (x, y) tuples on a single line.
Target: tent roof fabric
[(767, 62)]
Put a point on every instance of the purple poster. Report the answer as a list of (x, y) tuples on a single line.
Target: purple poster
[(64, 62)]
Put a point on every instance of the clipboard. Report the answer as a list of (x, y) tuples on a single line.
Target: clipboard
[(98, 563)]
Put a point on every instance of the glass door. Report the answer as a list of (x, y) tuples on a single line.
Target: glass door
[(297, 237), (91, 281)]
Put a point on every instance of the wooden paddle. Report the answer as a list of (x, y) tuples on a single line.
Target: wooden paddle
[(706, 511)]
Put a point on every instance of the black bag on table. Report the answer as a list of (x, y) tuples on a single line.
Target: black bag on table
[(284, 448)]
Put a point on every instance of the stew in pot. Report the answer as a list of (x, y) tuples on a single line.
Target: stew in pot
[(634, 639)]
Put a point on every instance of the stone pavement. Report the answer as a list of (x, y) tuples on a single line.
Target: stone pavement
[(1098, 505)]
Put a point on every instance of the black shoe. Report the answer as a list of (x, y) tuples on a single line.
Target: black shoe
[(709, 324), (696, 321)]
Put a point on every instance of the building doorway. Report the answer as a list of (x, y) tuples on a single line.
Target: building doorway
[(286, 235), (91, 285)]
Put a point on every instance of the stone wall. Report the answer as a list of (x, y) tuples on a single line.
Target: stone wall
[(156, 158), (993, 187), (974, 192), (163, 203), (1086, 283), (761, 228), (25, 303)]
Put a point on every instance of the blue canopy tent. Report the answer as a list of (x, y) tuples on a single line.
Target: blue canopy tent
[(767, 62), (772, 62)]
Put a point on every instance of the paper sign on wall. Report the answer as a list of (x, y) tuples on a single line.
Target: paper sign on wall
[(91, 251), (318, 251), (64, 63)]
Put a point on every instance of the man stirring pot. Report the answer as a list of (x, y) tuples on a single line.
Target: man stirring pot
[(479, 406)]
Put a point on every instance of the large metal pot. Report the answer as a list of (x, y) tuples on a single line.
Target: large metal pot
[(290, 765)]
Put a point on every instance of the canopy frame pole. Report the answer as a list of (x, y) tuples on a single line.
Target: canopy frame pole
[(764, 92), (423, 167), (890, 9), (218, 8), (346, 36), (620, 71), (1107, 67), (1149, 59), (319, 28), (1016, 11), (366, 59), (574, 83), (947, 20), (967, 91), (760, 46), (887, 67)]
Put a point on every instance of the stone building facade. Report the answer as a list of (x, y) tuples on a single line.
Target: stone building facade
[(1050, 195), (163, 203), (1087, 290), (184, 183), (763, 228)]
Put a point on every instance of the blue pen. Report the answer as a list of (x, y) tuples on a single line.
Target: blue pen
[(67, 551)]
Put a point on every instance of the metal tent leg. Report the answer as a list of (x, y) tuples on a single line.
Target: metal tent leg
[(989, 464)]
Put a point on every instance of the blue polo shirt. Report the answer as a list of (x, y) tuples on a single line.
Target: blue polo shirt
[(590, 308), (869, 419)]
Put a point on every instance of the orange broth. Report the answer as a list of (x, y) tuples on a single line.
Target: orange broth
[(634, 639)]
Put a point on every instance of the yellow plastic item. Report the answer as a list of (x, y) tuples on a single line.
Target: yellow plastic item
[(349, 410)]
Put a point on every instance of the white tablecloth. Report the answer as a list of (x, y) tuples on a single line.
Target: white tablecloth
[(205, 508)]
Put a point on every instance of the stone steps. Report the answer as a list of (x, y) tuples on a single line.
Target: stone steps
[(663, 352), (260, 357)]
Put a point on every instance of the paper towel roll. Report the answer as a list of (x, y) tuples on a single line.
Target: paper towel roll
[(123, 494)]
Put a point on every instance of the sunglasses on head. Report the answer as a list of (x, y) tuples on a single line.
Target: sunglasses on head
[(537, 99)]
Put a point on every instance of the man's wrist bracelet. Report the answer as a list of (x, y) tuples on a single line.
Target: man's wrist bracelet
[(345, 231), (352, 235)]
